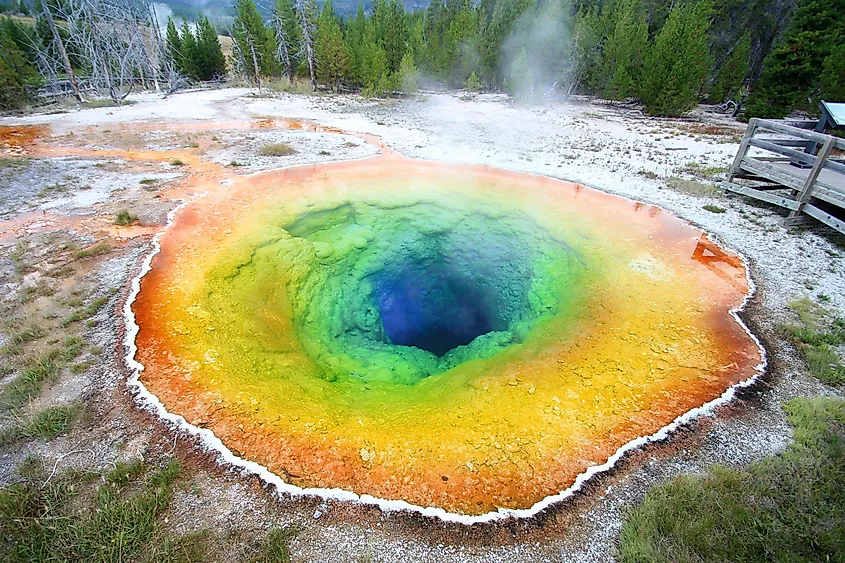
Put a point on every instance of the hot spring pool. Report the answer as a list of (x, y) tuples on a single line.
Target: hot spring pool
[(454, 337)]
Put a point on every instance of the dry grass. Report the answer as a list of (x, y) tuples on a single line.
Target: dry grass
[(693, 187), (276, 149)]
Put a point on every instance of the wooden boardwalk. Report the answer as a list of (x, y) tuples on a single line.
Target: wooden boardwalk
[(796, 170)]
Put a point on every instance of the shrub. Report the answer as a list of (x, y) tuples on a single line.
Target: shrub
[(473, 84), (276, 149), (124, 218)]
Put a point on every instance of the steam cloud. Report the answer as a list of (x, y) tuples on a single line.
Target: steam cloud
[(538, 57)]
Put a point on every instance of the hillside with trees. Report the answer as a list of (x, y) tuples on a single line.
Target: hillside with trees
[(667, 55)]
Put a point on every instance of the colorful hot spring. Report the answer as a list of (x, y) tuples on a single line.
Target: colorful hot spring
[(454, 337)]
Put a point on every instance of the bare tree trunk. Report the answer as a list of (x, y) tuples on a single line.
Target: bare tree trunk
[(308, 43), (254, 61), (61, 47), (282, 46), (236, 49)]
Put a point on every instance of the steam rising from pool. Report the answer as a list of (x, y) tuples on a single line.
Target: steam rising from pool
[(453, 337)]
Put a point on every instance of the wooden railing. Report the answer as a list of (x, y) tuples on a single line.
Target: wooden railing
[(802, 163)]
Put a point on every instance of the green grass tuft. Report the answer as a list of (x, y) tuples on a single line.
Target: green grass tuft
[(95, 250), (816, 336), (177, 162), (124, 218), (276, 149), (30, 382), (112, 521), (276, 547), (714, 208), (786, 507), (86, 312), (125, 473), (39, 372), (46, 424)]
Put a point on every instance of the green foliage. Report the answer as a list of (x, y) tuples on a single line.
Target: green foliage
[(624, 50), (287, 36), (792, 71), (333, 67), (188, 51), (69, 517), (714, 208), (46, 424), (787, 507), (816, 336), (15, 74), (676, 64), (277, 149), (832, 80), (730, 75), (254, 41), (209, 62), (473, 84), (124, 218), (389, 31), (276, 547), (409, 76), (173, 44)]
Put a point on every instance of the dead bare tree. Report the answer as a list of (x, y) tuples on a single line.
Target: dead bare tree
[(254, 54), (282, 51), (111, 38), (60, 46), (308, 26), (239, 63)]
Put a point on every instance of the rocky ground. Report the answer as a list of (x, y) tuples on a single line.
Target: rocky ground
[(65, 268)]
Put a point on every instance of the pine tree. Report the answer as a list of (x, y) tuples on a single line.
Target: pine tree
[(253, 39), (15, 74), (833, 75), (791, 71), (624, 50), (520, 80), (677, 61), (332, 58), (188, 52), (356, 38), (462, 43), (586, 44), (408, 74), (173, 45), (731, 74), (473, 84), (210, 62), (375, 68), (391, 31)]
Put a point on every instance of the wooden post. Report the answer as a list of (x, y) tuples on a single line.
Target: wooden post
[(807, 191), (743, 148)]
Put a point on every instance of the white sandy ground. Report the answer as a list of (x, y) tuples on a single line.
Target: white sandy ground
[(599, 145)]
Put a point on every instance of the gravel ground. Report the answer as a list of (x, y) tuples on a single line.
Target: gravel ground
[(670, 163)]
